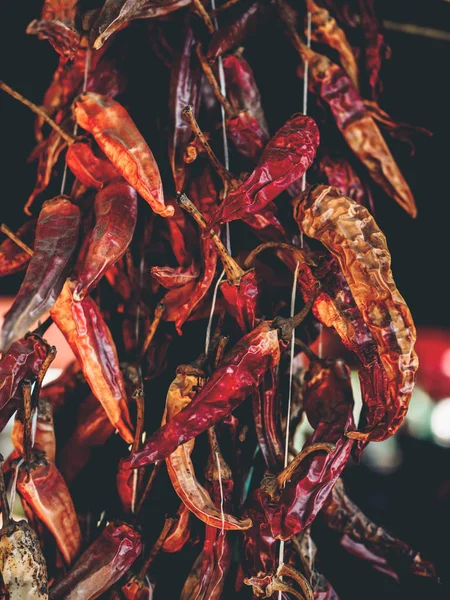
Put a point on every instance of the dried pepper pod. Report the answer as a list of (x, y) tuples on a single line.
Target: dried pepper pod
[(90, 339), (175, 277), (22, 565), (375, 48), (354, 121), (285, 159), (116, 14), (325, 30), (56, 240), (115, 209), (188, 382), (349, 231), (106, 560), (368, 541), (44, 435), (180, 531), (91, 170), (120, 140), (14, 258), (57, 24), (184, 89), (241, 289), (238, 375)]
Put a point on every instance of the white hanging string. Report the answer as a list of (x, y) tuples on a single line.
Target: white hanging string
[(222, 512), (75, 127), (211, 313)]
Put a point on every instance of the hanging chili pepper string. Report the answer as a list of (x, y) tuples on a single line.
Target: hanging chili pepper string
[(75, 127), (211, 313)]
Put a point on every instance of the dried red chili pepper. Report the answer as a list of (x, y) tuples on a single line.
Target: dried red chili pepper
[(118, 279), (339, 173), (22, 565), (102, 564), (44, 435), (91, 170), (238, 376), (285, 158), (368, 541), (307, 551), (265, 585), (180, 531), (90, 339), (14, 258), (120, 140), (175, 277), (56, 240), (57, 24), (375, 49), (184, 89), (44, 490), (115, 209), (349, 231)]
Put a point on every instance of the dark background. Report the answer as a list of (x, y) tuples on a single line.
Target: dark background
[(414, 502)]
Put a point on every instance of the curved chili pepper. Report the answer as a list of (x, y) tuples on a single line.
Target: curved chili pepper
[(57, 25), (91, 170), (368, 541), (375, 49), (286, 157), (349, 231), (92, 430), (116, 14), (90, 339), (307, 551), (56, 239), (115, 209), (339, 173), (325, 30), (180, 531), (44, 435), (189, 379), (175, 277), (102, 564), (120, 140), (184, 89), (14, 258)]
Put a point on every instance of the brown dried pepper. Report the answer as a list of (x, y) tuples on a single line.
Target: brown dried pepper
[(14, 258), (102, 564), (355, 240), (90, 339), (188, 381), (56, 240), (57, 24), (115, 208), (120, 140)]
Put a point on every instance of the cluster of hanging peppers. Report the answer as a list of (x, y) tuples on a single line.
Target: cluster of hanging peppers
[(169, 434)]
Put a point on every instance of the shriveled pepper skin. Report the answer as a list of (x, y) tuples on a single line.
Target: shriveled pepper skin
[(352, 236), (56, 240), (12, 257), (44, 436), (233, 34), (57, 24), (241, 300), (238, 375), (286, 157), (115, 209), (22, 565), (90, 339), (101, 565), (92, 171), (45, 491), (121, 141), (180, 531)]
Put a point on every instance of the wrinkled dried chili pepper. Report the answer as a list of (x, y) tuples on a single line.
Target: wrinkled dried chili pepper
[(57, 24), (57, 233), (115, 208), (238, 375), (175, 277), (354, 121), (349, 231), (102, 564), (44, 490), (285, 158), (22, 565), (339, 173), (241, 289), (180, 531), (14, 258), (44, 435), (307, 551), (368, 541), (187, 383), (90, 169), (90, 339), (375, 49), (120, 140)]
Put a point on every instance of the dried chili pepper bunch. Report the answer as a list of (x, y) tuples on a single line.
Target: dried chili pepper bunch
[(179, 322)]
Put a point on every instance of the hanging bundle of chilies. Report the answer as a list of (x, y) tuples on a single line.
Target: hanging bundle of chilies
[(131, 262)]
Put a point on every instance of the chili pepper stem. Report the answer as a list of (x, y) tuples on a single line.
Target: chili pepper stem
[(287, 473), (159, 311), (42, 372), (210, 76), (233, 271), (42, 328), (7, 231), (3, 496), (139, 398), (223, 8), (303, 583), (222, 344), (306, 350), (201, 11), (156, 548), (27, 434), (148, 487), (225, 175), (300, 255), (287, 325), (39, 111)]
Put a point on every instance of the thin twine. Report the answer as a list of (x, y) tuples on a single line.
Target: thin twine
[(75, 127), (211, 314), (223, 91)]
